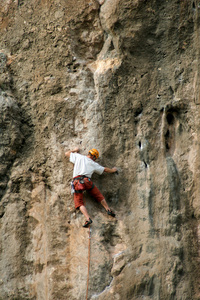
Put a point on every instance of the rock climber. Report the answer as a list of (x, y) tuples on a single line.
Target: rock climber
[(84, 167)]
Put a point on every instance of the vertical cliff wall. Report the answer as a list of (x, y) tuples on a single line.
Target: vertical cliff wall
[(121, 76)]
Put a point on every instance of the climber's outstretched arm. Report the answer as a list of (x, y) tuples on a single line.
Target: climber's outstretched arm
[(108, 170), (67, 154)]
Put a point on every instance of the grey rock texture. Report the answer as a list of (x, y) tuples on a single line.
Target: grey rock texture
[(123, 77)]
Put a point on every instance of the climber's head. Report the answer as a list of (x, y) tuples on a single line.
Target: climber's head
[(94, 153)]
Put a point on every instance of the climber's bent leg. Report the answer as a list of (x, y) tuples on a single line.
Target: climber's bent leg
[(105, 204), (84, 212)]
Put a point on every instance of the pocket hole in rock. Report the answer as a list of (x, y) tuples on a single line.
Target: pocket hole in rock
[(170, 118)]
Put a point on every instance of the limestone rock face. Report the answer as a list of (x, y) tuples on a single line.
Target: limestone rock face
[(123, 77)]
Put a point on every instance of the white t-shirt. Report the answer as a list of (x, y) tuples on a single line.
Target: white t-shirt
[(84, 165)]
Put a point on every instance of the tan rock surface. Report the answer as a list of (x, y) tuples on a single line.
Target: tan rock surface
[(121, 76)]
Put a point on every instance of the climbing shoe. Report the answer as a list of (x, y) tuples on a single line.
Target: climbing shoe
[(111, 213), (87, 223)]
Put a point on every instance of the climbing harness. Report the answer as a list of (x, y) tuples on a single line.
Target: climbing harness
[(80, 181), (89, 239), (80, 184), (72, 188)]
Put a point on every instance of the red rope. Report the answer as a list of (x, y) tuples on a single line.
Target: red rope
[(89, 237)]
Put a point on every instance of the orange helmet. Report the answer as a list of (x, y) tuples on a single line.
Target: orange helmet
[(94, 152)]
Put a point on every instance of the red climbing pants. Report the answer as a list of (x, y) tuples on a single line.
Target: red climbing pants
[(82, 185)]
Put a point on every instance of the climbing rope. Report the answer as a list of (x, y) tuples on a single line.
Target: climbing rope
[(89, 239)]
